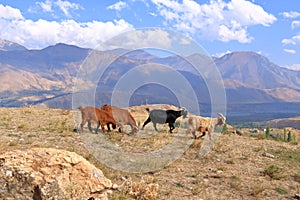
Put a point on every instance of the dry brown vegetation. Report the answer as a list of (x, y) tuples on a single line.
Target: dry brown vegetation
[(238, 167)]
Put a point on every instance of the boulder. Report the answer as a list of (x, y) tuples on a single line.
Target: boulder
[(45, 173)]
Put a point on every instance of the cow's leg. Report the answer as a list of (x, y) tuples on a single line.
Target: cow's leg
[(203, 134), (108, 127), (102, 127), (210, 130), (98, 125), (90, 127), (195, 135), (154, 124), (146, 122), (171, 126), (81, 125), (120, 128), (134, 129)]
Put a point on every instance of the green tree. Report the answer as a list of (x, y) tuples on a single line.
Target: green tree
[(268, 132), (289, 136), (224, 129)]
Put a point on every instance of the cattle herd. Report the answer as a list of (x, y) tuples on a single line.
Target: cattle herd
[(114, 117)]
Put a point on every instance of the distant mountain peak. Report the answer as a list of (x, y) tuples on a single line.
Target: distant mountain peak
[(62, 46), (6, 45), (256, 71), (242, 55)]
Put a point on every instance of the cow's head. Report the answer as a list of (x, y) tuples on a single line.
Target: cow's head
[(184, 112)]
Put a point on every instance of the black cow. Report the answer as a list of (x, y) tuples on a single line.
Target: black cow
[(164, 116)]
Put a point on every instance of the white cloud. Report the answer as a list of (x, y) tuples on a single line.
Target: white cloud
[(46, 6), (234, 32), (219, 55), (42, 33), (294, 40), (7, 13), (218, 20), (247, 13), (140, 38), (118, 6), (291, 51), (153, 14), (291, 14), (295, 24), (65, 6), (295, 67)]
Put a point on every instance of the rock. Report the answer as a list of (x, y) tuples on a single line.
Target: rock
[(8, 173), (115, 186), (297, 196), (44, 173), (268, 155)]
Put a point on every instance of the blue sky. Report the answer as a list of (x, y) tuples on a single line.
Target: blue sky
[(271, 28)]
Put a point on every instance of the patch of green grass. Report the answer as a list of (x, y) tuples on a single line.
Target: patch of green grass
[(31, 135), (292, 156), (229, 161), (274, 172), (13, 143), (179, 185), (22, 127), (6, 118), (4, 124), (280, 191), (235, 177), (13, 135), (235, 182)]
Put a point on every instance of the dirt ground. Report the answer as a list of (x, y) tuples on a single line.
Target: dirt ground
[(237, 167)]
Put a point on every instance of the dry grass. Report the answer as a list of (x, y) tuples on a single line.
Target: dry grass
[(234, 169)]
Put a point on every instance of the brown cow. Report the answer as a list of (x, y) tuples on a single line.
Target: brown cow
[(122, 117), (92, 114)]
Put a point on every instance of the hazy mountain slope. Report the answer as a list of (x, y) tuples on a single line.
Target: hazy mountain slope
[(256, 71), (49, 75)]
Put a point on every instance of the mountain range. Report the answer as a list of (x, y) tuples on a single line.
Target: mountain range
[(255, 87)]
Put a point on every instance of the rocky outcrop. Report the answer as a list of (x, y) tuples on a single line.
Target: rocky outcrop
[(44, 173)]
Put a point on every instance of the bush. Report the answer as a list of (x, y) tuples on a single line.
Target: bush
[(268, 132), (274, 172)]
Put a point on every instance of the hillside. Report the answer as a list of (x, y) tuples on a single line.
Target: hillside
[(251, 73), (47, 77), (284, 122), (237, 167)]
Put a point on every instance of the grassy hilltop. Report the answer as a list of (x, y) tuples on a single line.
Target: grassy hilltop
[(238, 167)]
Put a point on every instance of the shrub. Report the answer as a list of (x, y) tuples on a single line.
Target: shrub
[(268, 132), (289, 136), (224, 129), (274, 172)]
